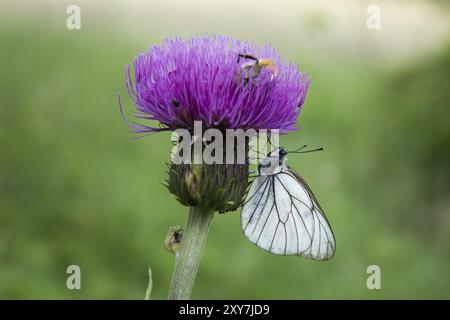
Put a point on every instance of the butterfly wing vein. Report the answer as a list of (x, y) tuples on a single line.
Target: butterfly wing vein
[(282, 216)]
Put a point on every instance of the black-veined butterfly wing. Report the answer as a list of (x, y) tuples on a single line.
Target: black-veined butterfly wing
[(282, 216)]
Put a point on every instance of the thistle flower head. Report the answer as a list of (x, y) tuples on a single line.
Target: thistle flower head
[(221, 81), (225, 84)]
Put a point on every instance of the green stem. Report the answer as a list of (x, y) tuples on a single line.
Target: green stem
[(150, 285), (192, 246)]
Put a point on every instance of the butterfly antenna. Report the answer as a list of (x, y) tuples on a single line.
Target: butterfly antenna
[(306, 151), (303, 147)]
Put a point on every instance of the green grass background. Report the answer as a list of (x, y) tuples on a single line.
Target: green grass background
[(75, 188)]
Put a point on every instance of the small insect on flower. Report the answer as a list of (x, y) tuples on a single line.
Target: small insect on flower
[(281, 214), (252, 69)]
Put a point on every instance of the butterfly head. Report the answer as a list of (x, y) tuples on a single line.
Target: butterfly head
[(279, 153), (277, 156), (276, 159)]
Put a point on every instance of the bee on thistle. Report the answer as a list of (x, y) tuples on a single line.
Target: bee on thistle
[(252, 69)]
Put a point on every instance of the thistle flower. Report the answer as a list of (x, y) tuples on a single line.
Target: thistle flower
[(225, 84), (199, 79)]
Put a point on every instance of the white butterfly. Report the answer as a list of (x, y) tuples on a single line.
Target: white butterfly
[(281, 214)]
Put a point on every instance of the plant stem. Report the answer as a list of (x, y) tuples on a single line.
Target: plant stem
[(150, 285), (192, 246)]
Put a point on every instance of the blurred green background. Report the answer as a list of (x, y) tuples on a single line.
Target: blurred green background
[(76, 189)]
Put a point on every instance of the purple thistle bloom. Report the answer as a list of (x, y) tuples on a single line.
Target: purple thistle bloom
[(204, 79)]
